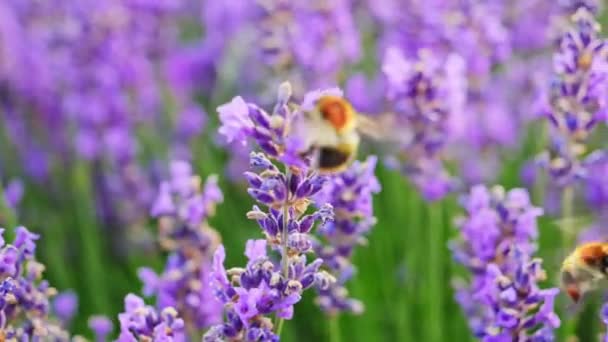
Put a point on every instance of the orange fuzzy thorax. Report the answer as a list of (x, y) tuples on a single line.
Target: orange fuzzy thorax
[(338, 112), (593, 252)]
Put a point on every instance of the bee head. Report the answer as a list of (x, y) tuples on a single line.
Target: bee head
[(338, 112)]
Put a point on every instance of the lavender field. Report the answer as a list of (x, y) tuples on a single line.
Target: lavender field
[(303, 170)]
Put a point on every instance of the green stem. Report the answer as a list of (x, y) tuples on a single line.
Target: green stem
[(89, 236), (284, 237), (280, 327), (436, 282), (54, 251), (334, 329), (407, 294), (284, 233), (567, 234)]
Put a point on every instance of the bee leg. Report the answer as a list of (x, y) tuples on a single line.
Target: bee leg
[(574, 293)]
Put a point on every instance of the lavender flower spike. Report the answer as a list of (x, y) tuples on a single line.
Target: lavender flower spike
[(252, 294), (243, 121), (350, 193), (24, 295), (497, 240), (578, 100), (141, 322), (182, 207), (265, 287), (423, 103)]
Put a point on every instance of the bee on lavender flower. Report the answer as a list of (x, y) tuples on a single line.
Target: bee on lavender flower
[(332, 131), (585, 269)]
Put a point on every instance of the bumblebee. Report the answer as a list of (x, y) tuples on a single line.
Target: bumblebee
[(585, 269), (332, 133)]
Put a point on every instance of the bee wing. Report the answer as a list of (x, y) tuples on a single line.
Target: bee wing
[(383, 128), (369, 127), (572, 224), (580, 229)]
